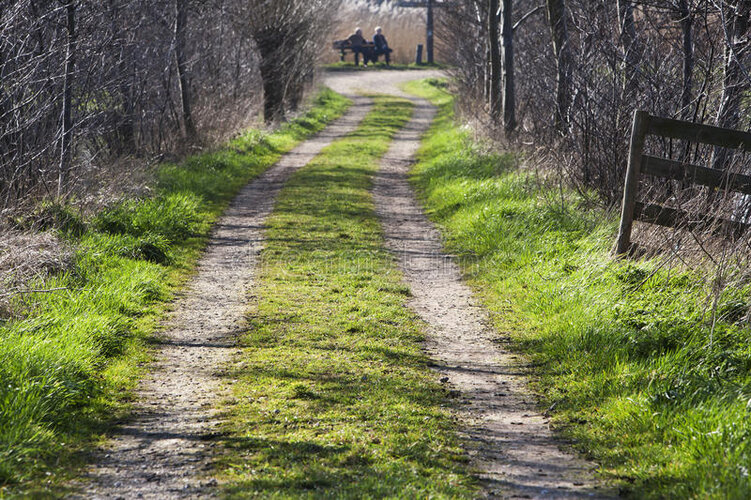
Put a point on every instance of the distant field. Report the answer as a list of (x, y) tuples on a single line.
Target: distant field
[(404, 28)]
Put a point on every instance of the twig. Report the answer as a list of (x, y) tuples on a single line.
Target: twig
[(525, 16)]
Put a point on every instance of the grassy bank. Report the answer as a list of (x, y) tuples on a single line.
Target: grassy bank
[(68, 358), (334, 398), (624, 352)]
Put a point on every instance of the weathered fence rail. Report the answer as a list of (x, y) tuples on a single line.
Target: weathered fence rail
[(641, 164)]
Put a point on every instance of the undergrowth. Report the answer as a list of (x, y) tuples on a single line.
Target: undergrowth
[(67, 361), (334, 398), (624, 351)]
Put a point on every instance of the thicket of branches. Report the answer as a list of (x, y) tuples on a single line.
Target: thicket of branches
[(84, 82), (567, 75), (288, 35)]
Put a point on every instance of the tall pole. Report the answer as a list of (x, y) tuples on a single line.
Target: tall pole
[(429, 33)]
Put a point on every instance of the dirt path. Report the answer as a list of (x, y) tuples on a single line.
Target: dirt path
[(510, 442), (164, 451), (383, 82)]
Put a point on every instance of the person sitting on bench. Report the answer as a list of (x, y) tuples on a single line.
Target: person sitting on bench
[(381, 45), (357, 44)]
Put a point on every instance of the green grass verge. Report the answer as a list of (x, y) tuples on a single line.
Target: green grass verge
[(66, 364), (623, 349), (334, 398)]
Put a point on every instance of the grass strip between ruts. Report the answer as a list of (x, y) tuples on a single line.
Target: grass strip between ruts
[(68, 362), (334, 397), (625, 351)]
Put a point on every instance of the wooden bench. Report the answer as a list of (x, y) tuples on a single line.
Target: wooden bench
[(368, 50)]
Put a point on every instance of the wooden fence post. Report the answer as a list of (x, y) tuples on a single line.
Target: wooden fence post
[(638, 133), (665, 168)]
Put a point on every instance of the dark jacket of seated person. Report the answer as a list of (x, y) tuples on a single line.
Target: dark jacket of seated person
[(356, 40), (381, 45), (357, 44)]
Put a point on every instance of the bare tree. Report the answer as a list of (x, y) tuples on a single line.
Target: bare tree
[(464, 45), (632, 53), (735, 15), (557, 13), (507, 55), (686, 18), (608, 59), (494, 60), (181, 21), (67, 120), (84, 82), (288, 35), (735, 78)]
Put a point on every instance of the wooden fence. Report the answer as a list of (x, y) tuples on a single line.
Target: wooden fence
[(641, 164)]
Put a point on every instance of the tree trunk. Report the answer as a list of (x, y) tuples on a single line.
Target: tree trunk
[(126, 131), (67, 113), (507, 56), (734, 82), (295, 89), (556, 10), (273, 87), (486, 77), (494, 51), (181, 21), (3, 137), (124, 126), (630, 46), (687, 21)]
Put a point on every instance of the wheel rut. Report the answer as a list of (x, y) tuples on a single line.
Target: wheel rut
[(164, 450), (510, 442)]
